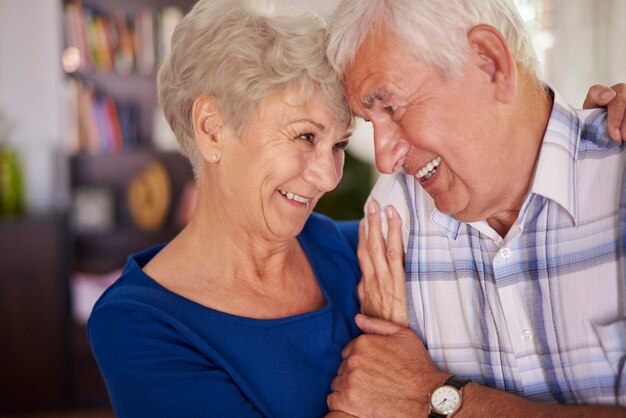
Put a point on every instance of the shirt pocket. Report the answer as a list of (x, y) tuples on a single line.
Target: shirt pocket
[(609, 341)]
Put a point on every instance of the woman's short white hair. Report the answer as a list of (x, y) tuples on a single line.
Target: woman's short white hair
[(436, 28), (240, 51)]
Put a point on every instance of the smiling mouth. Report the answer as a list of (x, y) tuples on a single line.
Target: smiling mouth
[(295, 197), (428, 170)]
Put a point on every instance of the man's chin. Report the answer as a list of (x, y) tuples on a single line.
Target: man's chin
[(457, 211)]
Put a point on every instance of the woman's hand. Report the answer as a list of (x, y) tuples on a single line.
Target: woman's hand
[(614, 99), (382, 290)]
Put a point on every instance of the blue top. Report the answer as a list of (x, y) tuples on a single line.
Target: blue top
[(163, 355)]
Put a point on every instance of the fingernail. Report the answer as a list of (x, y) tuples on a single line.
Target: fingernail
[(389, 212), (618, 134), (606, 95), (371, 207)]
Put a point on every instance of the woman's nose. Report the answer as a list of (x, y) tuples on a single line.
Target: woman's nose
[(323, 171)]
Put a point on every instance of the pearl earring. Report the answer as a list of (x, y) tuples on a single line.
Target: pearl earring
[(214, 158)]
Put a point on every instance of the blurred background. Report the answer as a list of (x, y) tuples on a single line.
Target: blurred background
[(89, 170)]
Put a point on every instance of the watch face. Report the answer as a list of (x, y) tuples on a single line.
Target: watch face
[(445, 399)]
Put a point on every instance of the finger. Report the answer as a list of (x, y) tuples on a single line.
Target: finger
[(360, 291), (616, 110), (377, 326), (341, 368), (376, 246), (332, 401), (339, 384), (365, 262), (598, 96), (347, 350), (336, 402), (374, 228), (395, 258), (395, 250), (367, 285)]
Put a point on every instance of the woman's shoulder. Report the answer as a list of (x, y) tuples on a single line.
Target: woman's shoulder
[(133, 286)]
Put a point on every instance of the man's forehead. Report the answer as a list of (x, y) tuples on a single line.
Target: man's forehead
[(375, 59)]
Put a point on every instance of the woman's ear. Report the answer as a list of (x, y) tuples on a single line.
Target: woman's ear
[(207, 120), (491, 54)]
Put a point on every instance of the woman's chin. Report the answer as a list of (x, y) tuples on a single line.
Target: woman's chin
[(287, 226)]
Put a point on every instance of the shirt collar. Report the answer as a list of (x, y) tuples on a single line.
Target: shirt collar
[(555, 174)]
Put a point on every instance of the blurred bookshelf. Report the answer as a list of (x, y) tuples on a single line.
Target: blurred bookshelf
[(126, 190), (112, 49)]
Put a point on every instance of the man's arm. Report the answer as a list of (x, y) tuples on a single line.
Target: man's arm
[(614, 99), (387, 372)]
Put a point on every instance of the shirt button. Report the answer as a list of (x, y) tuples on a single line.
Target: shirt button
[(527, 334), (506, 253)]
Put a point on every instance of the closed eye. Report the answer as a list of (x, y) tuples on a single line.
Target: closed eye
[(341, 145), (391, 109)]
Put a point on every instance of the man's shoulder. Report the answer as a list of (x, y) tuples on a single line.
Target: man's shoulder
[(600, 168), (595, 142), (408, 198)]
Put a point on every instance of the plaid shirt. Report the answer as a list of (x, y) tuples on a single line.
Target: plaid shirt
[(539, 313)]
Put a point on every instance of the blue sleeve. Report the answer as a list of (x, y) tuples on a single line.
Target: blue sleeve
[(151, 370), (350, 230)]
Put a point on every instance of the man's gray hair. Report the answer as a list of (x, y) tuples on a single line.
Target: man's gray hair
[(436, 28), (240, 51)]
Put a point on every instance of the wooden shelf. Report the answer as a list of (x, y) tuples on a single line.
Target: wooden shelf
[(102, 252), (34, 314)]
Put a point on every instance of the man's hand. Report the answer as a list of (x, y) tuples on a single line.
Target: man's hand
[(614, 99), (385, 373)]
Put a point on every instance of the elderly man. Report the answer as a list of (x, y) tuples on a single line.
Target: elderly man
[(514, 205)]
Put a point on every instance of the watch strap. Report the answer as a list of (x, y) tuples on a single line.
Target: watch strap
[(457, 382)]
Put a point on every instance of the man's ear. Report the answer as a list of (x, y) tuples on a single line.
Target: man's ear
[(208, 124), (491, 54)]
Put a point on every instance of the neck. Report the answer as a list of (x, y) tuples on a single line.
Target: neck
[(528, 119), (215, 241)]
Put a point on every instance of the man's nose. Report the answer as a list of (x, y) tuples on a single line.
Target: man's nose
[(390, 147), (322, 171)]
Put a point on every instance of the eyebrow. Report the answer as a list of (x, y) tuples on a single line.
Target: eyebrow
[(319, 126), (369, 100)]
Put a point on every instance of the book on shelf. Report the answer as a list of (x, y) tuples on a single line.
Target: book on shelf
[(96, 123), (124, 43), (114, 41), (75, 34), (145, 42)]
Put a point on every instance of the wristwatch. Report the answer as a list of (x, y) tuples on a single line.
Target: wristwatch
[(446, 399)]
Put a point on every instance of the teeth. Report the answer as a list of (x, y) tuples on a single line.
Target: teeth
[(294, 197), (428, 170)]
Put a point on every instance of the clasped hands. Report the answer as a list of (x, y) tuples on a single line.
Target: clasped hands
[(383, 369)]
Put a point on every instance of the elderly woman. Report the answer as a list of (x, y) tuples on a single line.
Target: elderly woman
[(246, 311)]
